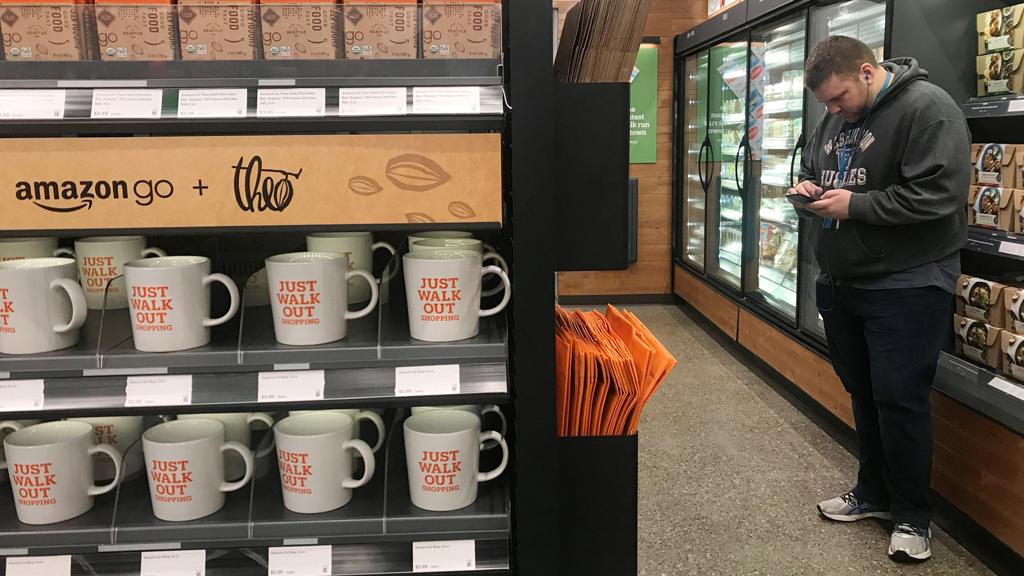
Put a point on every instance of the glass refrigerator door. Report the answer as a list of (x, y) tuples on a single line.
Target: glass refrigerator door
[(864, 20), (727, 129), (776, 118), (695, 115)]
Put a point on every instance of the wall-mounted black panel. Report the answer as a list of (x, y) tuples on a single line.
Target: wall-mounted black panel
[(592, 179), (720, 25), (758, 8)]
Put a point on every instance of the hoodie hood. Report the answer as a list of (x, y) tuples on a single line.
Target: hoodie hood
[(906, 71)]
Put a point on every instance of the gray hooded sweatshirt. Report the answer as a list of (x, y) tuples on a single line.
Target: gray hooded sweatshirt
[(907, 161)]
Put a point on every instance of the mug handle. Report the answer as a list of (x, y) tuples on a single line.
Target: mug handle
[(369, 465), (232, 291), (504, 297), (153, 251), (114, 455), (13, 426), (377, 422), (246, 455), (493, 409), (391, 270), (501, 264), (78, 308), (494, 437), (263, 418), (349, 314), (64, 252)]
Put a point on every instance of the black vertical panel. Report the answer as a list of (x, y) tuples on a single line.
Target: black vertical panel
[(529, 174), (942, 35)]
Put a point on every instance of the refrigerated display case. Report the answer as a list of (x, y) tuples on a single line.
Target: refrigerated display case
[(695, 184)]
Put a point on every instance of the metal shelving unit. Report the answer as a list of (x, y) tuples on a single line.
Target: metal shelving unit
[(982, 390)]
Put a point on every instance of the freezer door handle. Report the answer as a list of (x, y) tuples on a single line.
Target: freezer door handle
[(740, 187), (800, 143), (700, 165)]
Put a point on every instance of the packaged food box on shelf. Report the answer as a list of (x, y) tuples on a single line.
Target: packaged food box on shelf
[(1013, 321), (977, 341), (997, 165), (1000, 29), (1000, 73), (992, 207), (42, 30), (217, 29), (1012, 354), (378, 29), (461, 28), (299, 29), (981, 300), (135, 29)]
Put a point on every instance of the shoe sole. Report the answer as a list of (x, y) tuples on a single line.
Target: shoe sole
[(855, 517), (903, 557)]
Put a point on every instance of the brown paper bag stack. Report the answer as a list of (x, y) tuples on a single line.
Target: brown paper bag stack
[(606, 369)]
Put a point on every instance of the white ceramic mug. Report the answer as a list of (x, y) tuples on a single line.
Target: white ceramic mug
[(442, 290), (480, 411), (121, 432), (51, 470), (360, 248), (442, 453), (169, 299), (42, 306), (463, 244), (21, 248), (101, 260), (238, 428), (6, 427), (185, 467), (358, 416), (316, 471), (309, 297)]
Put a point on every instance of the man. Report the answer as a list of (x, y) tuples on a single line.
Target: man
[(884, 179)]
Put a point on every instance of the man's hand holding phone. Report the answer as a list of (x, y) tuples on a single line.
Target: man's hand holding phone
[(804, 193)]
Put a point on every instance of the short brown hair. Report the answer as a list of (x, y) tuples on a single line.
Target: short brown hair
[(839, 55)]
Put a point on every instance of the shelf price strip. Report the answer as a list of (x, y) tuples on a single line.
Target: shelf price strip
[(372, 101), (162, 390), (290, 102), (440, 380), (291, 386), (21, 395), (213, 103), (299, 561), (173, 563), (126, 104), (32, 104), (1007, 387), (444, 556), (39, 566)]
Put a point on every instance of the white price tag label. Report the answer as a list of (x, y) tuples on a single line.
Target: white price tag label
[(1008, 387), (39, 566), (444, 556), (31, 104), (21, 395), (219, 103), (127, 103), (446, 100), (173, 563), (427, 380), (1012, 248), (1015, 106), (291, 386), (290, 102), (372, 101), (161, 390), (299, 561)]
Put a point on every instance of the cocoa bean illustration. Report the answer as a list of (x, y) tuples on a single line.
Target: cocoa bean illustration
[(364, 185), (415, 173), (460, 209), (419, 218)]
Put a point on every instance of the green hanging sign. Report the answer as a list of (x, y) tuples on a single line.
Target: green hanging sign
[(643, 107)]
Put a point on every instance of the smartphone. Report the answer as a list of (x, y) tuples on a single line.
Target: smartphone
[(800, 199)]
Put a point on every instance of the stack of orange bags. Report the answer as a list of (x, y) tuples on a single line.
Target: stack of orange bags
[(606, 369)]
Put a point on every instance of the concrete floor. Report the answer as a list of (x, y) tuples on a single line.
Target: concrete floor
[(730, 472)]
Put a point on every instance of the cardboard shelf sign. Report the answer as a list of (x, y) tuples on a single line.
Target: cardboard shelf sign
[(235, 181)]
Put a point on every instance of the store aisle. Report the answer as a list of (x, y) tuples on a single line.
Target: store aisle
[(730, 473)]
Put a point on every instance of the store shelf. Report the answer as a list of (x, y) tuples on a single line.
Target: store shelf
[(774, 217), (1010, 105), (995, 242), (982, 390), (732, 215)]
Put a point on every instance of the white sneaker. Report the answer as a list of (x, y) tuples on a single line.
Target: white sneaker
[(849, 508), (910, 544)]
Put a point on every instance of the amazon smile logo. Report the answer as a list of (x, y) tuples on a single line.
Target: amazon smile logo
[(74, 195)]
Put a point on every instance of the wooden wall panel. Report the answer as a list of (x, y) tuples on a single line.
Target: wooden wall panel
[(809, 371), (715, 307), (651, 274)]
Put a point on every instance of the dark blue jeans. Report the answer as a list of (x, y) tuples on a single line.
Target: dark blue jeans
[(884, 346)]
